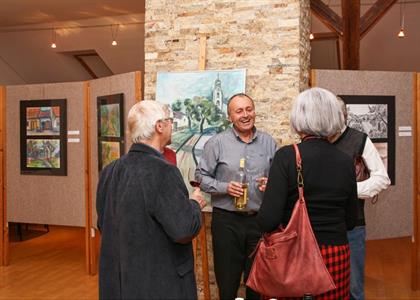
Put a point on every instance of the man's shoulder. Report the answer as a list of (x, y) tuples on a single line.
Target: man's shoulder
[(265, 135), (221, 136)]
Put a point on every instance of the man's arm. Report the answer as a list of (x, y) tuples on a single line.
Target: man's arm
[(378, 180), (179, 216), (206, 170)]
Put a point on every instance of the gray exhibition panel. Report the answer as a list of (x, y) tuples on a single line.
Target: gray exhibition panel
[(392, 215), (40, 199), (117, 84)]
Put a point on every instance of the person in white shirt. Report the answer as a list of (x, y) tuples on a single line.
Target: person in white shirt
[(356, 143)]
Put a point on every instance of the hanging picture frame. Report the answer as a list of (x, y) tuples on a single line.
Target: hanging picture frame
[(43, 137), (375, 116), (110, 109)]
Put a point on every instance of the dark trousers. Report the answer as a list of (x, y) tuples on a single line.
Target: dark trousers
[(234, 236)]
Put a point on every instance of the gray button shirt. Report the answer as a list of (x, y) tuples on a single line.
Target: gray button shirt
[(220, 163)]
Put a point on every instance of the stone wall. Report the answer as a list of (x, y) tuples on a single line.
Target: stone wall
[(267, 37)]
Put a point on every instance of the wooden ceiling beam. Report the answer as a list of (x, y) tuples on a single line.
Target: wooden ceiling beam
[(374, 14), (351, 34), (325, 35), (327, 16)]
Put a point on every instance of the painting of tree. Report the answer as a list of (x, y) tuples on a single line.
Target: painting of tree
[(199, 103), (110, 112), (110, 120)]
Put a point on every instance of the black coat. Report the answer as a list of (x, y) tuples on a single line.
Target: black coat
[(330, 191), (147, 224)]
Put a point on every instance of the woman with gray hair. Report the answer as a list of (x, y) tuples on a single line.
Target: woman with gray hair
[(330, 184)]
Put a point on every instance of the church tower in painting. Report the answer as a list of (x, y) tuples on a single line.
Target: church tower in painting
[(218, 93)]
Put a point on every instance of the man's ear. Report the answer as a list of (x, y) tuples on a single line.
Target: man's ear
[(159, 127)]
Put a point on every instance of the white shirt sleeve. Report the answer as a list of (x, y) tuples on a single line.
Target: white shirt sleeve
[(378, 180)]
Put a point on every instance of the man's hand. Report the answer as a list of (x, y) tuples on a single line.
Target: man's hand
[(235, 189), (197, 196), (262, 183)]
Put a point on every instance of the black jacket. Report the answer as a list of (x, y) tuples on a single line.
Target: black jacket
[(147, 224), (330, 191)]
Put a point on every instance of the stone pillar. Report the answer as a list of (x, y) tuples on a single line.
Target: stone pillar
[(267, 37)]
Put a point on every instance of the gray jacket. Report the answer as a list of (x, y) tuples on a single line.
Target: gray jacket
[(147, 224)]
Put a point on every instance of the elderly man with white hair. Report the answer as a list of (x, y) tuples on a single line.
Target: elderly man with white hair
[(146, 217)]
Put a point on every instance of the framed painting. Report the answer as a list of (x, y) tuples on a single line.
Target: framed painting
[(43, 137), (199, 104), (110, 128), (375, 116)]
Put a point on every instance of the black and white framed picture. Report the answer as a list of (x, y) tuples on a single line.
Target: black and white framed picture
[(375, 116)]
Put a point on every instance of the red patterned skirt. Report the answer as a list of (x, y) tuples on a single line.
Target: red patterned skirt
[(337, 260)]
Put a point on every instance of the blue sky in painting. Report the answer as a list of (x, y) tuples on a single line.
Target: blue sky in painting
[(181, 85)]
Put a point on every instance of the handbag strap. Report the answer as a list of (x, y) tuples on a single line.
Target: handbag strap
[(299, 172)]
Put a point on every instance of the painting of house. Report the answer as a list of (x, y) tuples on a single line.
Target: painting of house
[(43, 120), (43, 153)]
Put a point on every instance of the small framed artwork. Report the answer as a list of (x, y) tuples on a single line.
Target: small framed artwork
[(43, 137), (375, 116), (110, 128)]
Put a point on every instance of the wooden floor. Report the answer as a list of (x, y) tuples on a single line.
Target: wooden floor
[(51, 266)]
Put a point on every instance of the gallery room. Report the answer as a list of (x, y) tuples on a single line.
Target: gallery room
[(70, 71)]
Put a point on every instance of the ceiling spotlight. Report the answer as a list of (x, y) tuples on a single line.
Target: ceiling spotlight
[(401, 34), (114, 33), (53, 38), (311, 36)]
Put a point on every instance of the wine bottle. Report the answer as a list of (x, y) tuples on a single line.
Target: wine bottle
[(241, 201)]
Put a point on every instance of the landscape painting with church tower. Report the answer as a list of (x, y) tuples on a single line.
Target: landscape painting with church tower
[(199, 103)]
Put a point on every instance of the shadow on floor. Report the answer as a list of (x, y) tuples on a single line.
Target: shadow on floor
[(19, 232)]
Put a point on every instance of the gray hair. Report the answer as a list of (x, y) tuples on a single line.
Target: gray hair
[(316, 111), (142, 119)]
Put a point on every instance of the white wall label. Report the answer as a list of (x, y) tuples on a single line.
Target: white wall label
[(404, 133), (73, 140), (73, 132), (404, 128)]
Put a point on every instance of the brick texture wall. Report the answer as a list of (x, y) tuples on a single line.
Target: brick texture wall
[(267, 37)]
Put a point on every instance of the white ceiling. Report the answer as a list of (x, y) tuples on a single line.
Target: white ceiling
[(27, 12), (26, 32)]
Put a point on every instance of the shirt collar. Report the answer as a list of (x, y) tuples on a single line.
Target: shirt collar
[(255, 134)]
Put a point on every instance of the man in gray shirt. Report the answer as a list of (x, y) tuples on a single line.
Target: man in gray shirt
[(235, 233)]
